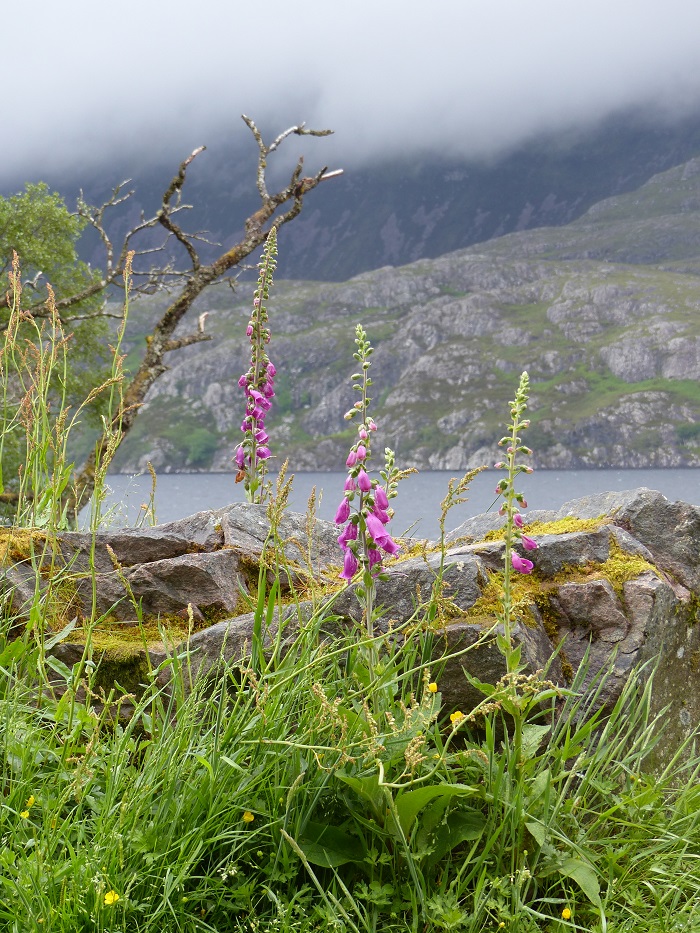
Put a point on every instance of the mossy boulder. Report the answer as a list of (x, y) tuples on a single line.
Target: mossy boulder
[(616, 579)]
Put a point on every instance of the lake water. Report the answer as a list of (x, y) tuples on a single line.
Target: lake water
[(417, 505)]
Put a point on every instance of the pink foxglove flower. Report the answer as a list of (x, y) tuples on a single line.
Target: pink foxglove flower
[(380, 498), (352, 459), (521, 564), (349, 533), (363, 481), (343, 513), (349, 566), (528, 543), (517, 519), (380, 535), (361, 452)]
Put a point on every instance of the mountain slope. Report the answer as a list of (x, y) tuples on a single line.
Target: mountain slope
[(401, 209), (612, 348)]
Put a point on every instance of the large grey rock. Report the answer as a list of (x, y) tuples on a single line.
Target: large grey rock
[(208, 561), (576, 601)]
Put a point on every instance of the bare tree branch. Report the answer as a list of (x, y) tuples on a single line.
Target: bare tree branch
[(196, 279)]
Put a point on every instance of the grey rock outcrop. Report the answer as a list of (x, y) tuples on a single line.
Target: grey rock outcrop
[(616, 580), (209, 562)]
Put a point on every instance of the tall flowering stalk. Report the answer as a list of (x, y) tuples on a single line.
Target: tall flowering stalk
[(513, 502), (364, 509), (253, 452)]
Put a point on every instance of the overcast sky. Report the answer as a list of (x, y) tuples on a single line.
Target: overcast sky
[(85, 81)]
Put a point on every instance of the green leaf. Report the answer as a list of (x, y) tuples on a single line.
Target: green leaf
[(367, 788), (410, 803), (532, 739), (459, 827), (329, 846), (537, 831), (62, 635), (12, 652), (583, 874), (354, 720)]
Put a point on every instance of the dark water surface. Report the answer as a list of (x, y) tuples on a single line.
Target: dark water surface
[(417, 505)]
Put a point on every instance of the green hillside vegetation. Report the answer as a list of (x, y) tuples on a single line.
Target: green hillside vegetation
[(603, 313)]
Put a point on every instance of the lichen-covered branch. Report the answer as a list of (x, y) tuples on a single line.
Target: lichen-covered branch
[(199, 277)]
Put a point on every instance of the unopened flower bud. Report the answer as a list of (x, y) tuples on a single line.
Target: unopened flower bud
[(499, 465), (363, 481)]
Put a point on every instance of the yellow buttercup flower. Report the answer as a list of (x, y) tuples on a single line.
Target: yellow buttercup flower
[(456, 716), (248, 817), (25, 814), (433, 687), (31, 801), (566, 914), (111, 897)]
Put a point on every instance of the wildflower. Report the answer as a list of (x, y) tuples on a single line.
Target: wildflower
[(528, 543), (248, 817), (111, 897), (258, 386), (25, 814), (521, 564), (363, 481), (349, 565), (30, 801), (433, 687), (383, 516), (456, 716), (380, 498), (349, 533), (352, 459), (566, 914), (361, 452), (380, 535), (343, 513), (517, 519)]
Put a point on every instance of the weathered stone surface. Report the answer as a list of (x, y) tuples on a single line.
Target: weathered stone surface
[(410, 584), (205, 561), (577, 604)]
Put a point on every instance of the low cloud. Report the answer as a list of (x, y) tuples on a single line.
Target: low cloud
[(148, 81)]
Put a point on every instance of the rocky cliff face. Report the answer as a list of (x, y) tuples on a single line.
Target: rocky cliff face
[(612, 348)]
